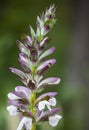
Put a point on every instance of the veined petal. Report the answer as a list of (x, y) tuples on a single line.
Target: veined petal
[(18, 72), (46, 53), (53, 120), (46, 96), (45, 115), (27, 122), (45, 66), (12, 110), (48, 82)]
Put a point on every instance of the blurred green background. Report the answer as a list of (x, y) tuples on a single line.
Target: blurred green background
[(70, 36)]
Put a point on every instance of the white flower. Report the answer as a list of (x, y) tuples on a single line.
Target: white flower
[(12, 110), (53, 120), (27, 122), (50, 102), (42, 104)]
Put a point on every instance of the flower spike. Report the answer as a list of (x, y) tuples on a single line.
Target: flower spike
[(33, 59)]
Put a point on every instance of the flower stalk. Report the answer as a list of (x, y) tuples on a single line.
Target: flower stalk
[(33, 126), (33, 59), (32, 102)]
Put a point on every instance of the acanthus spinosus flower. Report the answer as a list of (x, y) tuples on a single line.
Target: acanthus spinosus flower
[(34, 65)]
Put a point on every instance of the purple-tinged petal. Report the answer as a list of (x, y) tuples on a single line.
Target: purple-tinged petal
[(45, 96), (44, 115), (22, 75), (19, 95), (13, 96), (45, 30), (43, 43), (45, 66), (23, 59), (22, 48), (18, 72), (27, 39), (46, 53), (18, 103), (23, 92), (47, 82)]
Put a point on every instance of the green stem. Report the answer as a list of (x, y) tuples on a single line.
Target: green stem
[(32, 101), (32, 109), (33, 126)]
